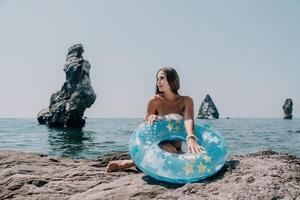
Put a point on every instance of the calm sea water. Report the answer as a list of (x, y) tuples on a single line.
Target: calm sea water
[(102, 136)]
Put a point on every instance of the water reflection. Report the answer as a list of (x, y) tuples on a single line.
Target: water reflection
[(68, 142)]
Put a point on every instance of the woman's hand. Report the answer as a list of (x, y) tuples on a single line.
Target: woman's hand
[(194, 147), (151, 118)]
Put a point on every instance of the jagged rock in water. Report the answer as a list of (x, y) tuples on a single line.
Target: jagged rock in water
[(67, 106), (288, 109), (208, 110)]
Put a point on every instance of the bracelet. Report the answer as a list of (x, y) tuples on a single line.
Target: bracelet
[(190, 136)]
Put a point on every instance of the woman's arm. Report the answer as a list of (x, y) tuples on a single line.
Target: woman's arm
[(151, 114), (193, 145)]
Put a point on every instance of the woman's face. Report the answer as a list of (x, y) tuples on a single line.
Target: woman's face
[(162, 82)]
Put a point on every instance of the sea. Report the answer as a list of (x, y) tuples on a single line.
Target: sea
[(107, 135)]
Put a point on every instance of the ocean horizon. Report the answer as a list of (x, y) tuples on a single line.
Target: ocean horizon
[(101, 136)]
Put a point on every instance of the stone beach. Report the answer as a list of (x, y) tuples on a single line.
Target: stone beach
[(262, 175)]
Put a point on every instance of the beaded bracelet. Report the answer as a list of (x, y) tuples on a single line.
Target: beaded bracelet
[(191, 136)]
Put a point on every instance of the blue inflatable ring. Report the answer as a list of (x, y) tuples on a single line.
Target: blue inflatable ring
[(176, 168)]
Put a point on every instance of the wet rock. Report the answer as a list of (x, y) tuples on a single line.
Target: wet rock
[(208, 110), (68, 105), (261, 175), (288, 109), (43, 115), (38, 183)]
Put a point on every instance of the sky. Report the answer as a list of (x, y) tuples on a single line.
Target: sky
[(245, 54)]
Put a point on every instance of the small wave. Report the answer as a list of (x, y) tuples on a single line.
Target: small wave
[(291, 131), (108, 142), (103, 143)]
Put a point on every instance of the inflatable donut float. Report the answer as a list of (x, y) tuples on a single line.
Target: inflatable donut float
[(176, 168)]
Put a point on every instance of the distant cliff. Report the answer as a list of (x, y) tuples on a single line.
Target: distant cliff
[(288, 109), (208, 110)]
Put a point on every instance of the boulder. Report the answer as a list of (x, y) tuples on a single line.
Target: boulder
[(288, 109), (208, 110), (68, 105)]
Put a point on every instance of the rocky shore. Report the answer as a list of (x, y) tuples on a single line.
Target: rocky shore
[(262, 175)]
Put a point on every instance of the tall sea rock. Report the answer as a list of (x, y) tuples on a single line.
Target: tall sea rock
[(208, 110), (68, 105), (288, 109)]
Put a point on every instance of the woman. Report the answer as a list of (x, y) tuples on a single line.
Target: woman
[(167, 101)]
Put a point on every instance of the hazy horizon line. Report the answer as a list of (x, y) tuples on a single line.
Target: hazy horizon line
[(142, 118)]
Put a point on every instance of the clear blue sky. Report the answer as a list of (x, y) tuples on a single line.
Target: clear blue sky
[(245, 54)]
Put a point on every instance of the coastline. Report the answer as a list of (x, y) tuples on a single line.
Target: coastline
[(260, 175)]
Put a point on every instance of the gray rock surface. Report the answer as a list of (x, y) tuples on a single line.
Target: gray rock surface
[(208, 110), (288, 109), (264, 175), (67, 106)]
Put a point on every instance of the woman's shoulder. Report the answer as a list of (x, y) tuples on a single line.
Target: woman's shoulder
[(187, 99), (155, 98), (159, 97)]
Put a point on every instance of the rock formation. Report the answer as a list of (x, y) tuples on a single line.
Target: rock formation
[(67, 106), (288, 109), (262, 175), (208, 110)]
